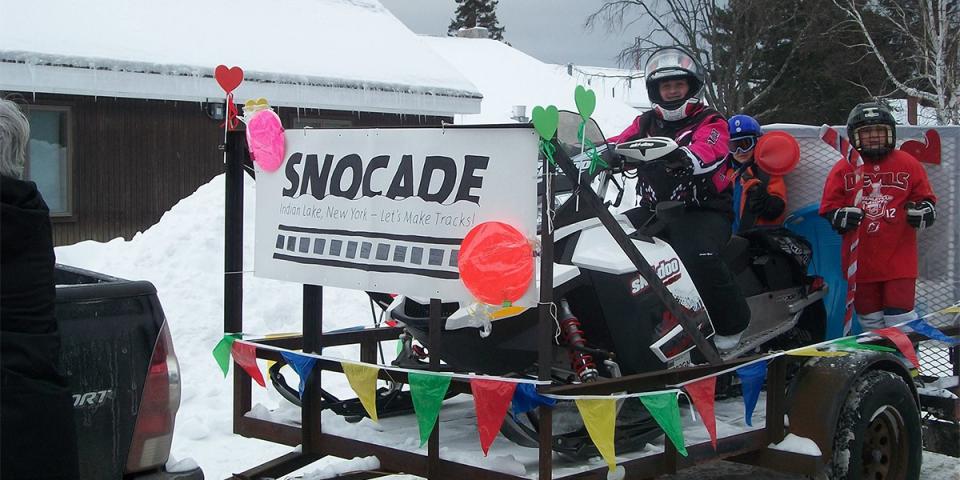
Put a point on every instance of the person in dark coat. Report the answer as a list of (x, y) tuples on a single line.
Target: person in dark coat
[(37, 434)]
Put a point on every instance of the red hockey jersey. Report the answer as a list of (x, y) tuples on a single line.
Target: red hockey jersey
[(888, 244)]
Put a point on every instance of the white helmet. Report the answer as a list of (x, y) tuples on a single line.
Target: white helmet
[(669, 63)]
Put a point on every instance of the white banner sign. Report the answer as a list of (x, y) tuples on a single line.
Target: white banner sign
[(385, 210)]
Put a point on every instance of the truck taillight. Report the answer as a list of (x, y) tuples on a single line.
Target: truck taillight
[(159, 402)]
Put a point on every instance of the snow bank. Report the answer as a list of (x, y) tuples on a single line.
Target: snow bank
[(507, 77), (182, 255)]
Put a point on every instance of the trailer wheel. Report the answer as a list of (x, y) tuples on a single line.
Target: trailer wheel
[(878, 436)]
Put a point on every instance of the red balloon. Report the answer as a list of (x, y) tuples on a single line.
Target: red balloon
[(495, 263), (777, 153)]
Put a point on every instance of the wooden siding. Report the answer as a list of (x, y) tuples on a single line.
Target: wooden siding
[(134, 159)]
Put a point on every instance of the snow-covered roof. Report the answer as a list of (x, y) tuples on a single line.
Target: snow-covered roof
[(508, 77), (333, 54), (625, 84)]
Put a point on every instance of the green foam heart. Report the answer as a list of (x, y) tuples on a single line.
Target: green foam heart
[(545, 121), (586, 101)]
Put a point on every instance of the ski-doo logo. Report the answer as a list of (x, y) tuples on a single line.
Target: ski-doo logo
[(667, 270), (352, 178)]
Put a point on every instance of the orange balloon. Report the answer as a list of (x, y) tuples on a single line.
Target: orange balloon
[(495, 263), (777, 153)]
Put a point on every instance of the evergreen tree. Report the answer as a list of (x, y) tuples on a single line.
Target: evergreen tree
[(476, 13), (831, 72)]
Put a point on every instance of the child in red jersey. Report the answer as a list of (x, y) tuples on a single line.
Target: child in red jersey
[(897, 202)]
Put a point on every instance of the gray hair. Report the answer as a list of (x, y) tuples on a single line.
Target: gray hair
[(14, 135)]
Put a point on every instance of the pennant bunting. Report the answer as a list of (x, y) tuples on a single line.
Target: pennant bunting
[(951, 309), (600, 418), (702, 394), (363, 381), (245, 355), (901, 341), (813, 352), (526, 398), (428, 392), (491, 398), (931, 332), (221, 352), (279, 335), (666, 412), (301, 364), (751, 380), (853, 344)]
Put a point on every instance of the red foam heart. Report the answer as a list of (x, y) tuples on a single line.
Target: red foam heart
[(926, 152), (228, 78)]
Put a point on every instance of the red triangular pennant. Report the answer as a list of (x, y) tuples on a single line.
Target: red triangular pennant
[(491, 399), (245, 355), (702, 394), (902, 342)]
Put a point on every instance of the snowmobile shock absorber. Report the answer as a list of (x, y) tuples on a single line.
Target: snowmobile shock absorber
[(580, 361)]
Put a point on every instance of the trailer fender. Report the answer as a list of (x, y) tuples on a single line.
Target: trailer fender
[(819, 390)]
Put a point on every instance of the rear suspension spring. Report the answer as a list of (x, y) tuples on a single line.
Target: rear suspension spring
[(581, 362)]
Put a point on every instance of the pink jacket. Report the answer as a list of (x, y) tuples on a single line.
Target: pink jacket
[(705, 138)]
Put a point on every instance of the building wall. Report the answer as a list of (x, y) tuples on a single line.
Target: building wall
[(130, 160)]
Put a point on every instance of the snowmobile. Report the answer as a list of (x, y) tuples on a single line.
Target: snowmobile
[(611, 319)]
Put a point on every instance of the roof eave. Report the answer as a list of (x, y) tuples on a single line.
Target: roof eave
[(313, 93)]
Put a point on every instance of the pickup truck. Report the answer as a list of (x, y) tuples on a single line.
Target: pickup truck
[(118, 357)]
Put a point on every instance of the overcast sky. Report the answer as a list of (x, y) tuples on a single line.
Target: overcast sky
[(549, 30)]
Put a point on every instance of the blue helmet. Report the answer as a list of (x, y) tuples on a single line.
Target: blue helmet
[(744, 132), (744, 126)]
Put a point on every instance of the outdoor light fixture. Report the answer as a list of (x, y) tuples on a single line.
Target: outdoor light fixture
[(215, 108)]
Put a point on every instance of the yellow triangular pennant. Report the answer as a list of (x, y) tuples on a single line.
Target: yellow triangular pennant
[(507, 312), (600, 418), (813, 352), (954, 309), (276, 335), (363, 381)]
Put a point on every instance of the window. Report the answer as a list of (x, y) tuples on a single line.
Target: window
[(48, 157)]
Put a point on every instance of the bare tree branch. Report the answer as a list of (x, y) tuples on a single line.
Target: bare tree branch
[(931, 29)]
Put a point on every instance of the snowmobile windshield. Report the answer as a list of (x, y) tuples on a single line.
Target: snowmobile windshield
[(568, 133)]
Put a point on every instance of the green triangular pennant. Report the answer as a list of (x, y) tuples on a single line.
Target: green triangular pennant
[(222, 351), (851, 342), (666, 412), (428, 392)]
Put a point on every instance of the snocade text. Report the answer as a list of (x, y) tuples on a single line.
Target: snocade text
[(320, 179)]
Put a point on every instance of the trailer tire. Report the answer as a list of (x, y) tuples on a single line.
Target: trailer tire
[(878, 435)]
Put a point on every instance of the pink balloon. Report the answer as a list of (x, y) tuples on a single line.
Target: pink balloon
[(265, 140)]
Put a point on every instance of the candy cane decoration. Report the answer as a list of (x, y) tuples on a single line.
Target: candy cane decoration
[(832, 137)]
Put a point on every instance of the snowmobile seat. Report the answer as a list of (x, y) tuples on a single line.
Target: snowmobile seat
[(734, 253)]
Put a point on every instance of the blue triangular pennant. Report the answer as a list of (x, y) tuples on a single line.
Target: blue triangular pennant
[(929, 331), (526, 398), (751, 379), (301, 364)]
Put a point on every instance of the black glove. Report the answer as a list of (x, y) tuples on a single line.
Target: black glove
[(678, 163), (921, 215), (845, 219), (757, 198), (762, 204)]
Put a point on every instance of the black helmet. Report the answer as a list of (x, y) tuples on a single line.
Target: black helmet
[(669, 63), (868, 115)]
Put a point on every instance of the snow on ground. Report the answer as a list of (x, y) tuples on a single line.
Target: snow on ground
[(183, 257)]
